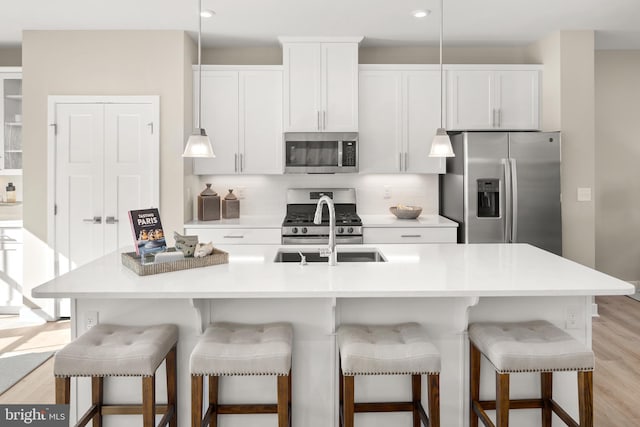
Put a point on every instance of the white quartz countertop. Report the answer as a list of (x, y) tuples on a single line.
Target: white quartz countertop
[(423, 221), (247, 221), (430, 270)]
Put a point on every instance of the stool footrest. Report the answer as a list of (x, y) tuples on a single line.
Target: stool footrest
[(490, 405), (130, 409), (384, 407), (479, 407), (247, 409)]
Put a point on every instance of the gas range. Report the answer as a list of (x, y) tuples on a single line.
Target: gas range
[(298, 226)]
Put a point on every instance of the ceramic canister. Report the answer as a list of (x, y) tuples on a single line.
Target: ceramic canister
[(230, 206), (208, 205)]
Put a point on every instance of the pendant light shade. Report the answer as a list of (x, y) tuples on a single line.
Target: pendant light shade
[(198, 144), (441, 144)]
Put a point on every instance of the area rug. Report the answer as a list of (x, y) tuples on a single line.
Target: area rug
[(14, 368), (635, 296)]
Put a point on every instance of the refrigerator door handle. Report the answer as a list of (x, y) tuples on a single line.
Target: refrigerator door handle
[(507, 201), (514, 201)]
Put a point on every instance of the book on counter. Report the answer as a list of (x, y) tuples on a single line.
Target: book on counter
[(148, 234)]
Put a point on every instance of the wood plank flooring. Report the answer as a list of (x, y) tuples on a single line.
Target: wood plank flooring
[(616, 343)]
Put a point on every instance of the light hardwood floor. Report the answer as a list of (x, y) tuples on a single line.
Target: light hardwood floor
[(616, 343)]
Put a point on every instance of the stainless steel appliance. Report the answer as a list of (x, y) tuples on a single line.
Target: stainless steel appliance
[(298, 226), (320, 152), (504, 187)]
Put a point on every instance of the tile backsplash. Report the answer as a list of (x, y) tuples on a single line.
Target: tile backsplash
[(266, 194)]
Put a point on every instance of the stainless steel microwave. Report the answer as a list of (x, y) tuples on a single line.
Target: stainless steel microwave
[(320, 152)]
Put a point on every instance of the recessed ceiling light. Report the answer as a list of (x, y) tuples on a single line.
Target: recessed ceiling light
[(421, 13), (207, 13)]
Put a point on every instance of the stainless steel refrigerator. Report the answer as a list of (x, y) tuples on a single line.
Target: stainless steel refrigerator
[(504, 187)]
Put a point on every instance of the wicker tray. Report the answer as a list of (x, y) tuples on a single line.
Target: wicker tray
[(132, 261)]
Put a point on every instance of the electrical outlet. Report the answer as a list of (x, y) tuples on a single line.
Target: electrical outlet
[(90, 319), (240, 192), (571, 318), (584, 194), (387, 192)]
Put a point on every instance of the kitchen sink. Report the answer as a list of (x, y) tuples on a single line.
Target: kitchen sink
[(313, 255)]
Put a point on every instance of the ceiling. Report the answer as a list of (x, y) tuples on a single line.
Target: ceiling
[(382, 22)]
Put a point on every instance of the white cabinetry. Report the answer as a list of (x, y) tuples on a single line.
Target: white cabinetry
[(10, 270), (242, 113), (237, 236), (320, 84), (493, 97), (10, 121), (409, 235), (399, 115)]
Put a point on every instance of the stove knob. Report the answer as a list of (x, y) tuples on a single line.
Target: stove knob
[(350, 230), (304, 230), (341, 230), (294, 230)]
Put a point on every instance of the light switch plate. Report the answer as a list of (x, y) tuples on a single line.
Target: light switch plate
[(584, 194)]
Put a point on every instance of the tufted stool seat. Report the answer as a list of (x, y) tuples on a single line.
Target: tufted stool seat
[(229, 349), (116, 350), (402, 349), (533, 346)]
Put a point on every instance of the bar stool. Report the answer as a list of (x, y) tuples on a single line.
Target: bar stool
[(534, 346), (229, 349), (402, 349), (115, 350)]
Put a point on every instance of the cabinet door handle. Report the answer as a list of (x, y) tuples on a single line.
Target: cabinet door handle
[(235, 163), (400, 161), (318, 119), (94, 220), (233, 237), (324, 120), (241, 162), (499, 117), (493, 118), (411, 235), (405, 162), (110, 220)]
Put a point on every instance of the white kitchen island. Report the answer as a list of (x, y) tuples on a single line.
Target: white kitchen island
[(443, 287)]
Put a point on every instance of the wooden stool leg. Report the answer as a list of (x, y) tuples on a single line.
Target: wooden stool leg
[(283, 401), (196, 400), (546, 388), (474, 376), (434, 400), (172, 386), (289, 396), (63, 391), (416, 395), (349, 404), (502, 400), (149, 401), (585, 398), (213, 400), (97, 396)]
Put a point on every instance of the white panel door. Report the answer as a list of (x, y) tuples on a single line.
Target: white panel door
[(79, 184), (380, 136), (517, 99), (220, 119), (339, 87), (422, 116), (130, 169), (470, 100), (302, 103), (261, 122)]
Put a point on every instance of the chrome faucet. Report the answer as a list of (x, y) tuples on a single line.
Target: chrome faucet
[(317, 219)]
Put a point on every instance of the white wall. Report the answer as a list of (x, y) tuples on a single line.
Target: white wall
[(569, 106), (617, 159), (265, 195)]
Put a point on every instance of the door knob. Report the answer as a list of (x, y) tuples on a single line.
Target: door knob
[(94, 220), (111, 220)]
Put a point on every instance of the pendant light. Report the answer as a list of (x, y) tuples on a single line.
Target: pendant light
[(198, 144), (441, 144)]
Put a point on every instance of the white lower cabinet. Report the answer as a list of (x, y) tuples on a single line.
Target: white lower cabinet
[(409, 235), (399, 115), (237, 236)]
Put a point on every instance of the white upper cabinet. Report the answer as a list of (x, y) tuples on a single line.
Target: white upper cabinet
[(10, 121), (491, 98), (320, 85), (399, 116), (242, 114)]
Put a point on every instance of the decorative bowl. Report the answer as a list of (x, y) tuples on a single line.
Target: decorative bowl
[(406, 212)]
